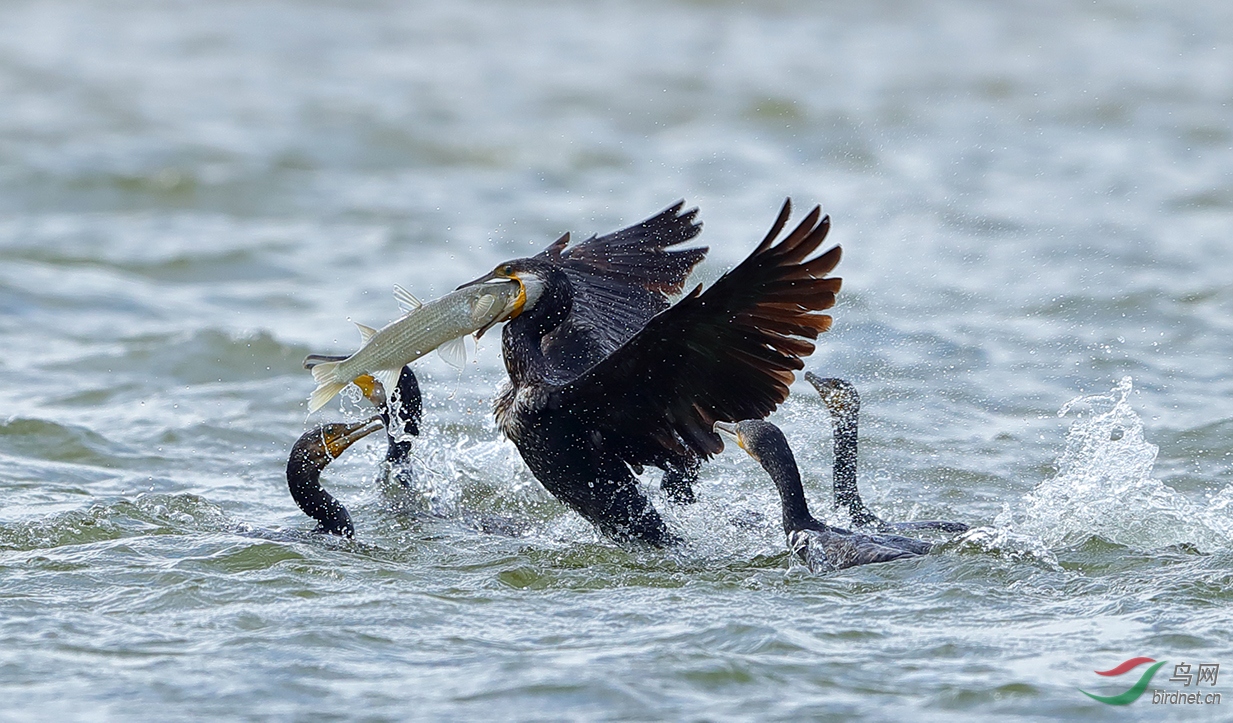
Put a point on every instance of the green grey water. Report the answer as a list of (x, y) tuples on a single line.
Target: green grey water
[(1036, 207)]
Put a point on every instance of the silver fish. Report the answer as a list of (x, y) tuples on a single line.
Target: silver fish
[(439, 323)]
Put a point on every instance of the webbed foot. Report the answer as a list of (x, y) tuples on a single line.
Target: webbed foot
[(678, 484)]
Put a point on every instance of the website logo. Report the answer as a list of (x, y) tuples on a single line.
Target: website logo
[(1205, 673), (1136, 690)]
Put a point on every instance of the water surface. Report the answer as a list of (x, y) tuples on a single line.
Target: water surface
[(1035, 205)]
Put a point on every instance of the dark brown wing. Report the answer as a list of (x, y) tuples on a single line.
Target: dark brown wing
[(620, 280), (638, 256), (724, 355)]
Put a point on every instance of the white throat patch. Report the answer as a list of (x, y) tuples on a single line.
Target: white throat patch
[(534, 286)]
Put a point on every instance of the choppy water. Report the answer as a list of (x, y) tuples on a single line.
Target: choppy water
[(1035, 199)]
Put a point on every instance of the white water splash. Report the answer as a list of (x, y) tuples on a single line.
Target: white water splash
[(1001, 541), (1104, 487)]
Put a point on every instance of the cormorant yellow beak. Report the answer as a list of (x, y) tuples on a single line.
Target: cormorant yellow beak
[(730, 430), (504, 272), (371, 388), (367, 384), (338, 437)]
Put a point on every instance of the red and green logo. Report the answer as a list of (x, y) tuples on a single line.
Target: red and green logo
[(1135, 690)]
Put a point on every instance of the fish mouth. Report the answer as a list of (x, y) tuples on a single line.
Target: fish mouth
[(338, 437), (512, 308), (729, 430)]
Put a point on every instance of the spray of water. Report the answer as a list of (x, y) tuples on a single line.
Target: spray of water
[(1104, 487)]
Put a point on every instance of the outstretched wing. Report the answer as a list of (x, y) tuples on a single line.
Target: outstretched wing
[(637, 256), (620, 280), (726, 354)]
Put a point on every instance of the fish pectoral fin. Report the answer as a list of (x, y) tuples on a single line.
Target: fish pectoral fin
[(366, 332), (482, 306), (454, 353), (388, 379), (406, 300)]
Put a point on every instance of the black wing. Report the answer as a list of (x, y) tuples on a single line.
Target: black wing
[(620, 280), (724, 355)]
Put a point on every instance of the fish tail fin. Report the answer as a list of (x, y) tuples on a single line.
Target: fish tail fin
[(313, 360), (327, 386)]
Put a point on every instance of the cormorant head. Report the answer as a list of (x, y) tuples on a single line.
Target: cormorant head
[(317, 448), (372, 389), (537, 280), (839, 396), (767, 445), (762, 440)]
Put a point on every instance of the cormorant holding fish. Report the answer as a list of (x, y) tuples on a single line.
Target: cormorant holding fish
[(583, 413), (616, 283), (844, 404), (821, 547)]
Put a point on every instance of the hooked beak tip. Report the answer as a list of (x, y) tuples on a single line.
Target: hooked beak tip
[(726, 431), (480, 280), (353, 433)]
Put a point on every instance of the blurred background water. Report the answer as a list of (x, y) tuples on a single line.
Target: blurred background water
[(1035, 201)]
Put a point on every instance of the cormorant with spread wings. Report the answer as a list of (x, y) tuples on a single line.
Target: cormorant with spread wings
[(590, 397)]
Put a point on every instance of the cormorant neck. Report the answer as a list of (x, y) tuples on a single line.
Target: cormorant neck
[(304, 481), (781, 466), (521, 340), (397, 452), (401, 415), (847, 495)]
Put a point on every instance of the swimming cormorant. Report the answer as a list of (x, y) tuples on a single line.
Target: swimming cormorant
[(400, 415), (819, 546), (654, 393), (309, 456), (844, 404), (315, 449)]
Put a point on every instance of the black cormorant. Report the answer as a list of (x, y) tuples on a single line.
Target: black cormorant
[(309, 456), (844, 404), (401, 413), (819, 546), (651, 396), (616, 283)]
